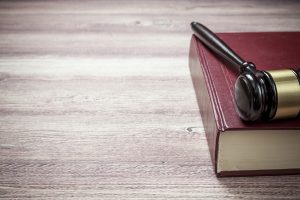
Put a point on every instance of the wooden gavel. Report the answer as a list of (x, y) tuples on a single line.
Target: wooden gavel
[(259, 94)]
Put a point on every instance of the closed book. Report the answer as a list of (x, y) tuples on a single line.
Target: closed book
[(240, 148)]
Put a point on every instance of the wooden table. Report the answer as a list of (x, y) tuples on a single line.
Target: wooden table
[(96, 100)]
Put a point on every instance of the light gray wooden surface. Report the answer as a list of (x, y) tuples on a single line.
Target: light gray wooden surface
[(96, 100)]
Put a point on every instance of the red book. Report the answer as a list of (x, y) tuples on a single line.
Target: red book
[(241, 148)]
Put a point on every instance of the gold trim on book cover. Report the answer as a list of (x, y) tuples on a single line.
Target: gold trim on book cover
[(288, 93)]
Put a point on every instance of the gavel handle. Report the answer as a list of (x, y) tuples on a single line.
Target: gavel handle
[(217, 45)]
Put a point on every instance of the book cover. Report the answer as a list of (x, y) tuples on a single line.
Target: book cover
[(213, 80)]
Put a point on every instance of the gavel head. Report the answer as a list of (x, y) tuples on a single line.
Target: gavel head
[(267, 95)]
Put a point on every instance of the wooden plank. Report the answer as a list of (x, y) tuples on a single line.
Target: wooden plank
[(97, 101)]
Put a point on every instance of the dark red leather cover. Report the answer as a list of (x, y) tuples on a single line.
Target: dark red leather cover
[(214, 81)]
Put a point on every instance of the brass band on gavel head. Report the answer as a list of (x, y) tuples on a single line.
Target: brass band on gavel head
[(288, 93)]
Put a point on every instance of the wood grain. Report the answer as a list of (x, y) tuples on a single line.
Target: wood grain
[(96, 100)]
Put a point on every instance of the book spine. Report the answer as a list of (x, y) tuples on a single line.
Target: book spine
[(204, 101)]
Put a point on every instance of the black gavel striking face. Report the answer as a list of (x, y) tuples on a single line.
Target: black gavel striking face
[(259, 95)]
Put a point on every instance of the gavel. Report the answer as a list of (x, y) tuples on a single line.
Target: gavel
[(258, 94)]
